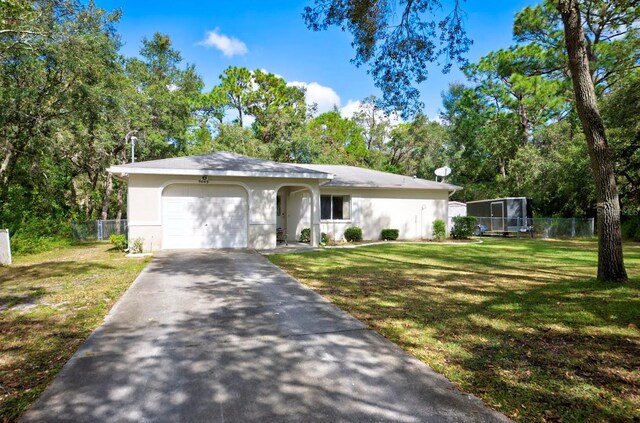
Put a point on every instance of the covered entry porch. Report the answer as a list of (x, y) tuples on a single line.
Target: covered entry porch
[(297, 209)]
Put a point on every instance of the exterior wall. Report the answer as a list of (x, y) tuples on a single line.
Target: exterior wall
[(145, 206), (143, 211), (412, 212)]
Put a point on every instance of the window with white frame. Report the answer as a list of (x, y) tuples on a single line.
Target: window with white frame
[(335, 207)]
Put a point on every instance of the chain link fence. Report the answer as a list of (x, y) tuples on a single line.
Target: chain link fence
[(563, 227), (539, 227), (98, 230)]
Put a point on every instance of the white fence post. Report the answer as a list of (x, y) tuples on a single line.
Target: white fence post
[(5, 247)]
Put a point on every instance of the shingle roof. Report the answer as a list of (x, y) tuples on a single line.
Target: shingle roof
[(231, 164), (219, 163), (357, 177)]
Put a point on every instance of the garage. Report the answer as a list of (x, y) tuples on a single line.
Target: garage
[(204, 216)]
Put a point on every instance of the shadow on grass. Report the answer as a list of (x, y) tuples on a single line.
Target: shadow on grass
[(50, 269), (29, 298), (40, 362), (17, 283), (531, 334)]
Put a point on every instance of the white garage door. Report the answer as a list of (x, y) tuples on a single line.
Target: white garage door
[(204, 216)]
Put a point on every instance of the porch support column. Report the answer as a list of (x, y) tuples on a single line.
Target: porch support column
[(315, 216)]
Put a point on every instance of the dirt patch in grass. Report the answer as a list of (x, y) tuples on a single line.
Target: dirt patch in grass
[(49, 304), (520, 323)]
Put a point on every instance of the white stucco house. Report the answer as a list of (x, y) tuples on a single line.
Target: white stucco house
[(226, 200)]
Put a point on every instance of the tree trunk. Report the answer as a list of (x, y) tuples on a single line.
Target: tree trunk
[(5, 163), (5, 170), (107, 196), (240, 119), (610, 260), (78, 199), (524, 124), (90, 205), (119, 201)]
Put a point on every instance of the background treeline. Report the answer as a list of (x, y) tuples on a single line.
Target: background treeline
[(69, 103)]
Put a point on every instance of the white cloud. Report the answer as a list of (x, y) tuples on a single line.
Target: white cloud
[(326, 98), (229, 46), (395, 119), (354, 106), (275, 74), (247, 121), (351, 108)]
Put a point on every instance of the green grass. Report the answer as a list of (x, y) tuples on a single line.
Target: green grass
[(520, 323), (49, 304)]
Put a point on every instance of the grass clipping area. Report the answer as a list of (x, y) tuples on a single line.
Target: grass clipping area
[(522, 324), (49, 304)]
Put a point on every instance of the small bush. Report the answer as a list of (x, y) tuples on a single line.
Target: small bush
[(389, 234), (24, 244), (353, 233), (36, 235), (136, 246), (119, 241), (439, 229), (463, 227), (305, 236)]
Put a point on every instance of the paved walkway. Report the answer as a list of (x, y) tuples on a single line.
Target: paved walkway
[(227, 336)]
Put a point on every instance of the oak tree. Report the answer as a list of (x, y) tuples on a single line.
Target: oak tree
[(399, 40)]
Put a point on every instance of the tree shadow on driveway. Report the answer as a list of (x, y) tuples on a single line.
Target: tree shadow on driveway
[(226, 336)]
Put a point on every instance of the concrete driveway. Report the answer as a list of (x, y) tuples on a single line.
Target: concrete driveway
[(227, 336)]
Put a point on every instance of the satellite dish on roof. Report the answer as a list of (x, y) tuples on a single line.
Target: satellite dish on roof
[(443, 171)]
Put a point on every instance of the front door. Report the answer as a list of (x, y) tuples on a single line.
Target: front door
[(497, 216)]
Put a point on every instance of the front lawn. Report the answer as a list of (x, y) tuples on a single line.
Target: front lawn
[(520, 323), (49, 304)]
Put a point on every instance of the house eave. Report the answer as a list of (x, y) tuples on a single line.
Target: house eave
[(208, 172), (452, 188)]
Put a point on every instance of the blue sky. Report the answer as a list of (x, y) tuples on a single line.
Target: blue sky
[(275, 38)]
